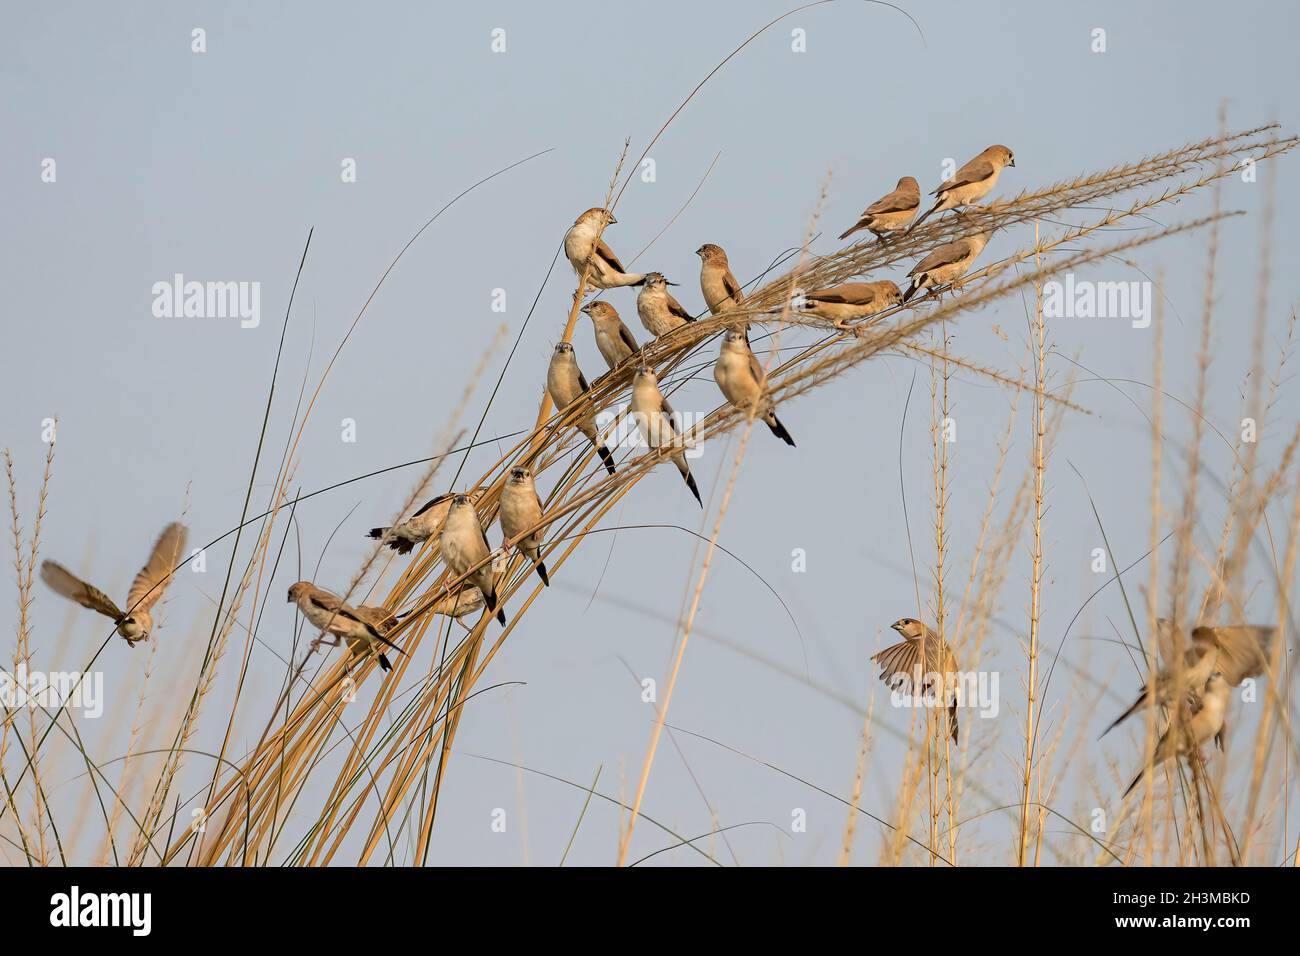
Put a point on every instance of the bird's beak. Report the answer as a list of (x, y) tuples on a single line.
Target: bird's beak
[(666, 282), (613, 221), (1012, 162), (585, 310)]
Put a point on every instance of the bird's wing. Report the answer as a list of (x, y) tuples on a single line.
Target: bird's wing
[(431, 502), (899, 659), (976, 171), (754, 368), (626, 335), (945, 255), (732, 286), (677, 309), (605, 252), (66, 584), (835, 294), (1243, 649), (381, 619), (582, 382), (154, 577), (897, 201)]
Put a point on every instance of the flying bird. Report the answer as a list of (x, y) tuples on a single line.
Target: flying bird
[(719, 285), (889, 213), (971, 183), (660, 312), (919, 660), (1236, 652), (566, 384), (851, 301), (329, 613), (521, 509), (135, 623), (945, 265), (614, 339), (654, 418), (1201, 717), (464, 545), (741, 379), (582, 244)]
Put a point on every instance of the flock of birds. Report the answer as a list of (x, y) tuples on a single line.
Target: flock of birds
[(1217, 658)]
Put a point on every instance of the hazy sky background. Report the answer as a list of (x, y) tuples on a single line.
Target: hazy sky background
[(216, 165)]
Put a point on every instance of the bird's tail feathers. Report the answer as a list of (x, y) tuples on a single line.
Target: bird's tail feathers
[(541, 573), (685, 469), (1133, 709), (912, 289), (778, 429), (928, 213), (856, 227), (384, 664), (606, 458)]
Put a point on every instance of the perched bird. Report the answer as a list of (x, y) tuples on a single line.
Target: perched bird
[(521, 509), (566, 385), (582, 244), (890, 213), (921, 659), (971, 183), (461, 604), (741, 379), (135, 623), (420, 527), (719, 285), (1235, 652), (464, 545), (660, 312), (850, 301), (613, 338), (654, 417), (947, 264), (331, 615), (1201, 717)]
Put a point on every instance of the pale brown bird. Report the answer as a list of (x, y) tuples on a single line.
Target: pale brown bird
[(660, 313), (741, 379), (521, 509), (921, 660), (614, 339), (328, 612), (464, 545), (566, 384), (1201, 717), (851, 301), (971, 183), (1236, 652), (889, 213), (583, 242), (945, 265), (461, 604), (654, 417), (135, 623), (721, 289), (426, 523)]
